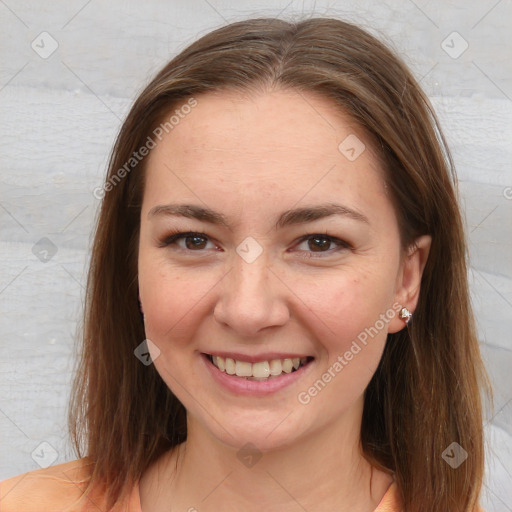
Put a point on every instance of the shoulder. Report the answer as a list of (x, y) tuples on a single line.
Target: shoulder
[(57, 488), (391, 501)]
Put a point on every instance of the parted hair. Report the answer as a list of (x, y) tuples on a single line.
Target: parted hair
[(427, 390)]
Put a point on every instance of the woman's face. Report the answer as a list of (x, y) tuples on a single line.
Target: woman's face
[(295, 258)]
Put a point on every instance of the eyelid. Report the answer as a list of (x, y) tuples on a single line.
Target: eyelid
[(176, 235), (341, 245)]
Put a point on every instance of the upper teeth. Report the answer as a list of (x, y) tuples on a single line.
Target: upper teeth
[(260, 370)]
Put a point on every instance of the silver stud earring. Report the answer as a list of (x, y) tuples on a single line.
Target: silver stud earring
[(405, 315)]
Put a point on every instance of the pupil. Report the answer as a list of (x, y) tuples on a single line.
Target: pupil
[(197, 242), (324, 245)]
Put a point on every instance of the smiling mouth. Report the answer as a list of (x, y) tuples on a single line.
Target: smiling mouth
[(260, 371)]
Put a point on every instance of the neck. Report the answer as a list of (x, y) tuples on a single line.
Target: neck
[(322, 471)]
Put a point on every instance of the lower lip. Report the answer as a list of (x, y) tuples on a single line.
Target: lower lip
[(242, 386)]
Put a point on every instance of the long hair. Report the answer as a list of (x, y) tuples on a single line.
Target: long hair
[(425, 394)]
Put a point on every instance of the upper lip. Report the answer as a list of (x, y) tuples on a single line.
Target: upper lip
[(252, 358)]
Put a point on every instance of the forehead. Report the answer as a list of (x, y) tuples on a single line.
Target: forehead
[(278, 121), (280, 144)]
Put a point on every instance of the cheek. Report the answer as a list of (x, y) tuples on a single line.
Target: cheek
[(347, 312), (171, 319), (360, 313), (165, 294), (347, 302), (174, 302), (172, 297)]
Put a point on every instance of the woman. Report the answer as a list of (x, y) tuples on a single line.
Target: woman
[(278, 314)]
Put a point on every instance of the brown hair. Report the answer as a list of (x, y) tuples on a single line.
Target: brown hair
[(425, 393)]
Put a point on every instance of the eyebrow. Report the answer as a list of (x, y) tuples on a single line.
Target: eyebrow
[(286, 218)]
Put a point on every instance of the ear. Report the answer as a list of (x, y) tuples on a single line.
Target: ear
[(409, 279)]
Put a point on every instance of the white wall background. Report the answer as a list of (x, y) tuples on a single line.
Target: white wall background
[(61, 112)]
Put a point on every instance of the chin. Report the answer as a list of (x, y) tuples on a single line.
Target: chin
[(265, 431)]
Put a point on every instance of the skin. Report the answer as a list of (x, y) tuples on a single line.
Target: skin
[(250, 158)]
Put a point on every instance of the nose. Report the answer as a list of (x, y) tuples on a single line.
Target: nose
[(251, 298)]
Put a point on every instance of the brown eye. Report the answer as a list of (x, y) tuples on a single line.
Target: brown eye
[(192, 241), (195, 242), (321, 244)]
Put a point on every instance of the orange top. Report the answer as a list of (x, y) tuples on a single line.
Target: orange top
[(60, 489)]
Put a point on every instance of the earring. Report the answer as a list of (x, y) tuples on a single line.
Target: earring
[(405, 315)]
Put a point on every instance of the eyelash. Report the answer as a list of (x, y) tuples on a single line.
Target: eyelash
[(176, 235)]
